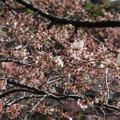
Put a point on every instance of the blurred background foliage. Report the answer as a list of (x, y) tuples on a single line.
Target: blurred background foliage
[(97, 7)]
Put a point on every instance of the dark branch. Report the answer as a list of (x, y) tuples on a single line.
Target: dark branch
[(11, 60), (14, 91), (57, 97), (9, 8), (13, 82), (76, 23), (25, 98)]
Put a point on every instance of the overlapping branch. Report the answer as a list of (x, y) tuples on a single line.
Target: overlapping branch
[(40, 93)]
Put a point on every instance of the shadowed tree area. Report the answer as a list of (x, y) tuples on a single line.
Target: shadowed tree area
[(59, 60)]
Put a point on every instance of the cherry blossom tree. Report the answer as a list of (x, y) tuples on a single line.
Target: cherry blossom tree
[(59, 59)]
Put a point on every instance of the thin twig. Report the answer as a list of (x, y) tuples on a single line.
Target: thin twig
[(9, 8), (38, 103), (24, 98)]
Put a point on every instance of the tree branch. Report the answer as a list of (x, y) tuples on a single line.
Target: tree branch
[(57, 97), (11, 60), (25, 98), (76, 23), (14, 91), (13, 82)]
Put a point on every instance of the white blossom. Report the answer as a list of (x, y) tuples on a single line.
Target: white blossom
[(102, 65), (59, 61), (78, 44)]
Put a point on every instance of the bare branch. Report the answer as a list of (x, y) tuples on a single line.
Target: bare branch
[(10, 8), (14, 91), (11, 60), (76, 23), (38, 103), (25, 98), (13, 82)]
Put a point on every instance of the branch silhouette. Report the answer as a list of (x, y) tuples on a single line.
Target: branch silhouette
[(39, 93), (75, 23)]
